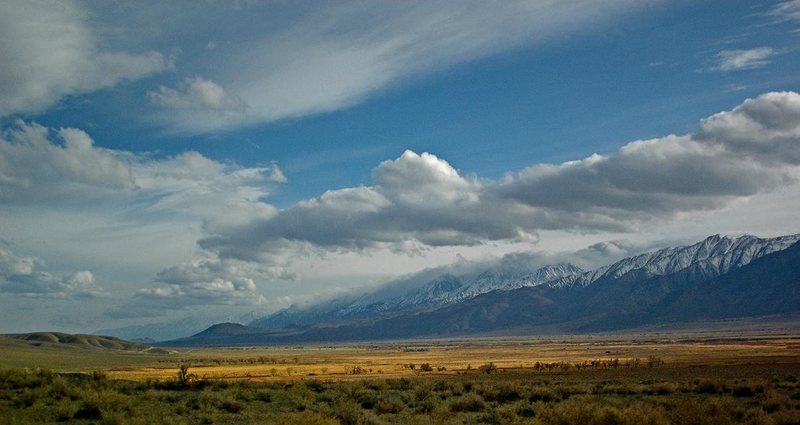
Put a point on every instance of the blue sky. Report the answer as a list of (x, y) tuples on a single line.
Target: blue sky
[(242, 156)]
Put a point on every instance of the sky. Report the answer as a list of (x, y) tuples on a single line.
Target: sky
[(163, 160)]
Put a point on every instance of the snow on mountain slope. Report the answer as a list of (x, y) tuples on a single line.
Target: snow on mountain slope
[(425, 291), (714, 256), (450, 289)]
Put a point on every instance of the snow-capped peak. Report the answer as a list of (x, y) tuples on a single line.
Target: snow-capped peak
[(712, 256)]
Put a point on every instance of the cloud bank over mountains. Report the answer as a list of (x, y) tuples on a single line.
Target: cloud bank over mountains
[(415, 203), (419, 201)]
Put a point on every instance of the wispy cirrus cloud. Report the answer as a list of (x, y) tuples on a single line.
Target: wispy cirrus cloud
[(786, 11), (743, 59), (327, 58)]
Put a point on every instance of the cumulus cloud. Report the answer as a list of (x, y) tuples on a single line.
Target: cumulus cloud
[(207, 281), (24, 275), (50, 172), (421, 201), (414, 203), (50, 52), (197, 94), (738, 153), (736, 60), (30, 159), (39, 165), (765, 129)]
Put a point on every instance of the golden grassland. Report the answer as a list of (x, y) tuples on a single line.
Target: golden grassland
[(394, 360), (640, 379)]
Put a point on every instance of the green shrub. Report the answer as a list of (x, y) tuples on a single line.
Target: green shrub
[(231, 406), (745, 391), (347, 412), (389, 404), (663, 388), (64, 411), (708, 387), (507, 393), (468, 403), (591, 412), (305, 418), (365, 397), (315, 385), (88, 411), (503, 415), (541, 394), (263, 395), (488, 368)]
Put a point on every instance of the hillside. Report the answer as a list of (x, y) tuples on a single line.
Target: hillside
[(58, 340)]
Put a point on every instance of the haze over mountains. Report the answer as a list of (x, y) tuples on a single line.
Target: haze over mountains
[(719, 277)]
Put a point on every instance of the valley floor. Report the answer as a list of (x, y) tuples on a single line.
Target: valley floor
[(752, 376), (761, 393)]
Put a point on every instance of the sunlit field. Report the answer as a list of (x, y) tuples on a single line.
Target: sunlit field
[(348, 362), (648, 379)]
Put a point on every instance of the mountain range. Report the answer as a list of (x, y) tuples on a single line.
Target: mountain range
[(719, 277)]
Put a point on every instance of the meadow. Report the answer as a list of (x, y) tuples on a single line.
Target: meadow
[(648, 379)]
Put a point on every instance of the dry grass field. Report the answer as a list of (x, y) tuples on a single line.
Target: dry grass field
[(338, 362), (405, 359), (674, 378)]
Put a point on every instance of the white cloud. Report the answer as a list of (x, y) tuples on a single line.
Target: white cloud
[(420, 201), (29, 159), (786, 11), (208, 281), (433, 180), (736, 60), (49, 52), (12, 264), (739, 153), (57, 185), (319, 59), (37, 168), (197, 94), (26, 276), (415, 203)]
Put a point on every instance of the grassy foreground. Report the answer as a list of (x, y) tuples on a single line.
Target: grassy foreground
[(733, 394), (754, 380)]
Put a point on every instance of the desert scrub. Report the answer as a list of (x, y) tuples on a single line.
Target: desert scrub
[(468, 403), (391, 404), (594, 412), (615, 396)]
